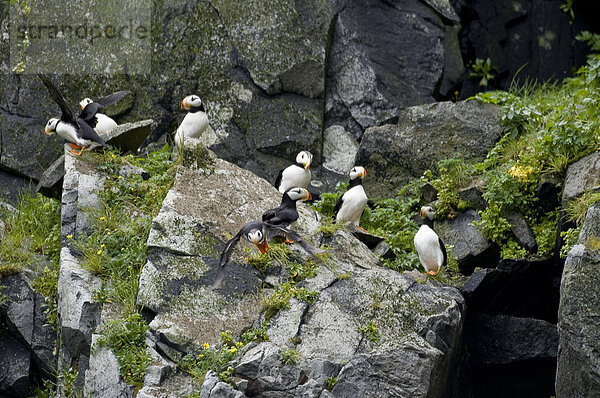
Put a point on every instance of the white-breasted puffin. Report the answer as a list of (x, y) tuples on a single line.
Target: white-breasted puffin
[(296, 175), (259, 233), (286, 213), (430, 248), (103, 123), (77, 130), (195, 121), (351, 205)]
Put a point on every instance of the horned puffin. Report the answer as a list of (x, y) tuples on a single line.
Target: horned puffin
[(430, 248), (103, 123), (77, 130), (286, 213), (351, 205), (259, 233), (296, 175), (195, 121)]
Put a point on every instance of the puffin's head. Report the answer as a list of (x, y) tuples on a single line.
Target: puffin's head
[(427, 212), (299, 194), (51, 126), (84, 102), (256, 236), (358, 171), (304, 159), (191, 101)]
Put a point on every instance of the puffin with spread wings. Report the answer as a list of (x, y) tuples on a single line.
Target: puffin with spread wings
[(78, 130)]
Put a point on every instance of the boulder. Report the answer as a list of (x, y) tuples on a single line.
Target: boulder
[(15, 363), (578, 359), (471, 248), (13, 186), (371, 320), (423, 135), (103, 378), (51, 181), (339, 150), (581, 176), (521, 231)]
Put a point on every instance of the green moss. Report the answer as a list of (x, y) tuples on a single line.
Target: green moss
[(593, 243)]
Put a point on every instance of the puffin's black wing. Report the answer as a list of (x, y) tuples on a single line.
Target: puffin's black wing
[(111, 98), (67, 113), (229, 247), (283, 216), (92, 108), (277, 230), (443, 248), (338, 206), (279, 178), (88, 133)]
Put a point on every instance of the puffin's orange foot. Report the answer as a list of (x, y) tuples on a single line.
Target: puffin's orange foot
[(434, 272), (288, 241), (362, 228), (74, 146), (81, 151)]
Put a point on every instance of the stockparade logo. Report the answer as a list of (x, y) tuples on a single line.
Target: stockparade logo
[(89, 36)]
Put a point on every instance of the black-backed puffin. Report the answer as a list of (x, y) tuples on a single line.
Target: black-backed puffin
[(259, 233), (195, 121), (77, 130), (431, 249), (286, 213), (296, 175), (351, 205), (103, 123)]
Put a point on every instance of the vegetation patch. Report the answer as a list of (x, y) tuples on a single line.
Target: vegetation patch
[(289, 356)]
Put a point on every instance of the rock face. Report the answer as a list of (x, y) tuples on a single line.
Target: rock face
[(422, 136), (578, 361), (581, 176), (359, 327), (26, 340), (374, 72), (471, 248)]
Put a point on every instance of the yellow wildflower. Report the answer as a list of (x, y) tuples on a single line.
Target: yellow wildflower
[(99, 252), (521, 173), (69, 236), (239, 344), (232, 349), (206, 346), (102, 218)]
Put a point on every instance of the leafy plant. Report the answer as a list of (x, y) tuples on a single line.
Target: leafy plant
[(127, 338), (570, 238), (482, 70), (289, 356), (577, 208), (370, 331), (330, 382)]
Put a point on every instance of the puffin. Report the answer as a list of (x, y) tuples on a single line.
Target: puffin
[(259, 233), (296, 175), (430, 248), (103, 123), (195, 121), (79, 131), (286, 213), (351, 205)]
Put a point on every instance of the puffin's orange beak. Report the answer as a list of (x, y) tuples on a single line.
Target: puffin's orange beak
[(45, 131), (307, 167), (421, 213), (262, 246), (307, 196), (182, 107)]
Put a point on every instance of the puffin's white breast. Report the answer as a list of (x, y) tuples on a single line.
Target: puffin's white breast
[(104, 123), (193, 125), (428, 248), (353, 205), (69, 133), (294, 176)]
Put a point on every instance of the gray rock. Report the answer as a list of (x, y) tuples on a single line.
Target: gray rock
[(369, 78), (13, 186), (15, 363), (581, 176), (428, 192), (215, 388), (424, 135), (471, 248), (129, 136), (503, 339), (26, 322), (103, 378), (521, 231), (339, 150), (473, 195), (578, 360), (51, 181)]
